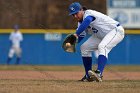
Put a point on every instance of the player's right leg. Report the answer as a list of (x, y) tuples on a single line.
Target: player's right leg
[(86, 51), (10, 55)]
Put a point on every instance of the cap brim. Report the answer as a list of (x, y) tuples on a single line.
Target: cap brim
[(73, 13)]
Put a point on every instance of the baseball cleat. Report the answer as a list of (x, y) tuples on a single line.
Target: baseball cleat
[(84, 79), (96, 75), (87, 79)]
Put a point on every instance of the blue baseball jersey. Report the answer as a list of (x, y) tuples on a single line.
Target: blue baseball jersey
[(102, 24)]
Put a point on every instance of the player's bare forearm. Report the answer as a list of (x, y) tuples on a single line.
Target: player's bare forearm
[(76, 35)]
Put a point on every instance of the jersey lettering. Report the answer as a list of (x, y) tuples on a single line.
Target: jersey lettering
[(92, 29)]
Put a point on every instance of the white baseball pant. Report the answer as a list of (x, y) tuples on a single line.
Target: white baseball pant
[(15, 50), (102, 46)]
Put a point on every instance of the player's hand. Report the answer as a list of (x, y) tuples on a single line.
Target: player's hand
[(69, 43)]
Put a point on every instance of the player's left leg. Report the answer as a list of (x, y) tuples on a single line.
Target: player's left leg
[(109, 41), (18, 54), (105, 46)]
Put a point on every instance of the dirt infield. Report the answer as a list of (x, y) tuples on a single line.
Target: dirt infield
[(65, 75), (64, 79)]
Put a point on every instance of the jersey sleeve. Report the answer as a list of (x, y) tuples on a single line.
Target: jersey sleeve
[(81, 36), (10, 37), (88, 13), (21, 37), (86, 22)]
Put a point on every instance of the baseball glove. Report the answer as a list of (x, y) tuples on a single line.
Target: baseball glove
[(69, 43)]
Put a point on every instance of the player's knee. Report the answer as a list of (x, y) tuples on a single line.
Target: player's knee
[(85, 51), (83, 47), (103, 50), (10, 55), (101, 47), (96, 53)]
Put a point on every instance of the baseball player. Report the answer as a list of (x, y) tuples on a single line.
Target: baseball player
[(105, 33), (15, 38)]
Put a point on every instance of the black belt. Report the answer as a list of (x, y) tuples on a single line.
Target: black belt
[(118, 25)]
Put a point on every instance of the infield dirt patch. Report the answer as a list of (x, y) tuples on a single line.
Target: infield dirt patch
[(65, 75), (62, 79)]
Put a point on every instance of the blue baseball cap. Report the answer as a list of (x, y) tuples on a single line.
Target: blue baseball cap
[(16, 27), (74, 8)]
